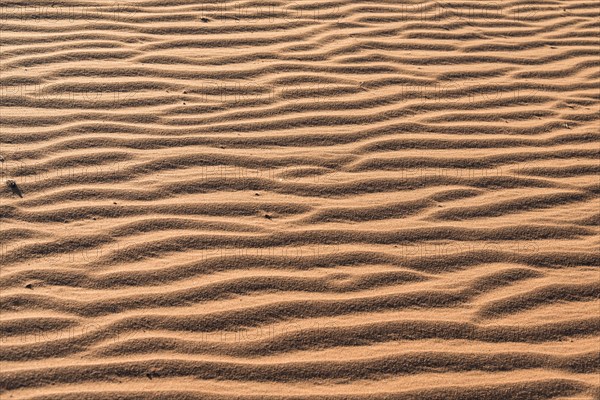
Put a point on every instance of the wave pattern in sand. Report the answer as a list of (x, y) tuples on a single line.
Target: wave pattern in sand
[(328, 199)]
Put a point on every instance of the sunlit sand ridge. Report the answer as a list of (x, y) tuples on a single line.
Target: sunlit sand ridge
[(309, 199)]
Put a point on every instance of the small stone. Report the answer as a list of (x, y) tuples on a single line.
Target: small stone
[(204, 19), (29, 286), (14, 188)]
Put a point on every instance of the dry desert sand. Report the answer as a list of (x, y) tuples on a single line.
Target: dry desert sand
[(300, 200)]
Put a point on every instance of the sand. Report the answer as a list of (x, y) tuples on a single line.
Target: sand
[(308, 200)]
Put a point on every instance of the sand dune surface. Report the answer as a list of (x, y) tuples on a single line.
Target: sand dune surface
[(324, 199)]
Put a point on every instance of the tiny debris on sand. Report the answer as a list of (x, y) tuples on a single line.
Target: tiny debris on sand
[(12, 185)]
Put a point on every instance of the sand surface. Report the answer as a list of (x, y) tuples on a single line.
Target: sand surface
[(300, 199)]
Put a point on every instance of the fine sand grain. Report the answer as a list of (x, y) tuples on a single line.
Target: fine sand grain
[(300, 200)]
